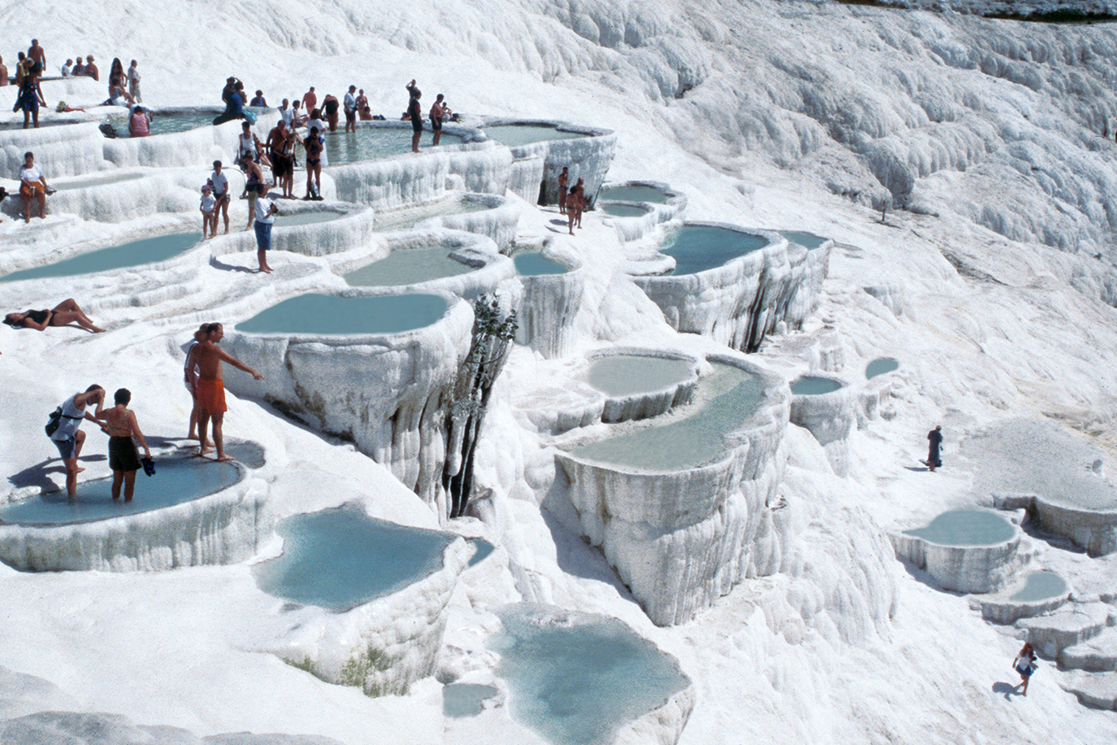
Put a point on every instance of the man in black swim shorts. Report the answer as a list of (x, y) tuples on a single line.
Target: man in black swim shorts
[(416, 114)]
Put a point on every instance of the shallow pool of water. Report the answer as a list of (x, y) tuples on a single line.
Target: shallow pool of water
[(305, 218), (1040, 586), (369, 143), (513, 135), (532, 264), (622, 210), (880, 367), (633, 194), (168, 123), (176, 480), (341, 558), (577, 683), (481, 550), (965, 528), (465, 699), (85, 183), (406, 266), (136, 253), (806, 240), (723, 401), (406, 219), (338, 316), (626, 374), (697, 248), (809, 385)]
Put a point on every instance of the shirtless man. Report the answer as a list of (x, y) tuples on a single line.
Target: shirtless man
[(310, 99), (37, 54), (209, 386), (439, 111)]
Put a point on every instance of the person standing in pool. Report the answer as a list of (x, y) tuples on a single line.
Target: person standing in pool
[(350, 104), (219, 182), (121, 426), (69, 438), (415, 111), (438, 112), (210, 388), (363, 109), (934, 444), (265, 212), (315, 146), (564, 186), (139, 125), (310, 100), (330, 105)]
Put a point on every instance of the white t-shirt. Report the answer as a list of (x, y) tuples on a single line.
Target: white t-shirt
[(65, 71), (208, 203), (72, 418), (134, 74), (350, 102), (32, 174), (246, 144), (288, 115), (263, 204), (220, 183)]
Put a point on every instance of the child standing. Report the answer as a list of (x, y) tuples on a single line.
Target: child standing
[(121, 427), (209, 213)]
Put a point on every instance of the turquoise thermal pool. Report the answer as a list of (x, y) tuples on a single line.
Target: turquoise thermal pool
[(136, 253), (627, 374), (341, 558), (176, 480), (408, 266), (633, 194), (514, 135), (405, 219), (809, 385), (965, 528), (880, 367), (623, 210), (481, 550), (532, 264), (370, 143), (806, 240), (333, 315), (170, 122), (576, 684), (722, 402), (1040, 586), (465, 699), (697, 248), (85, 183), (290, 219)]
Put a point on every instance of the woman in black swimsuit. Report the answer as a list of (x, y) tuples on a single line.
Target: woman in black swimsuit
[(64, 314)]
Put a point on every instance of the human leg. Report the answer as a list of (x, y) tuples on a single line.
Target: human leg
[(203, 428), (219, 436), (129, 485), (225, 212), (117, 481), (194, 412)]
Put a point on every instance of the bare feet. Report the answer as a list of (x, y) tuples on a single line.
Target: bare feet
[(204, 451), (97, 330), (192, 436), (79, 470), (225, 458)]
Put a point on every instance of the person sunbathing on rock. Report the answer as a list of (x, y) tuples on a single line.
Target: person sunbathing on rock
[(65, 313)]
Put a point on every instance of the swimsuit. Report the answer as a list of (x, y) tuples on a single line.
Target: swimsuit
[(123, 455), (211, 396), (38, 316)]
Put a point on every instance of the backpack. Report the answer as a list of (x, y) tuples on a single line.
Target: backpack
[(55, 419)]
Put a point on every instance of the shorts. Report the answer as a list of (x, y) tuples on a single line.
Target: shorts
[(66, 447), (313, 161), (416, 124), (436, 124), (263, 235), (123, 455), (1025, 672), (211, 396), (350, 116), (563, 189), (31, 189)]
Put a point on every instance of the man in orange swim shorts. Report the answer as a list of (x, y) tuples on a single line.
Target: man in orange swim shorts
[(205, 362)]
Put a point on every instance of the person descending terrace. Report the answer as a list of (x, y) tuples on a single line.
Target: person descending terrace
[(290, 158), (33, 185), (415, 112), (934, 445), (265, 211), (69, 438), (1025, 666), (121, 426), (350, 104), (206, 359), (66, 313)]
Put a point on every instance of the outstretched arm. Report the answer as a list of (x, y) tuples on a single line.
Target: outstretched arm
[(226, 357)]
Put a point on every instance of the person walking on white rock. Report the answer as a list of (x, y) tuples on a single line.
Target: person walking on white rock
[(1025, 665), (934, 447)]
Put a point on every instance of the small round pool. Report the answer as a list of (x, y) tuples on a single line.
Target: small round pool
[(722, 402), (880, 366), (136, 253), (341, 558), (333, 315), (966, 528), (697, 248), (809, 241), (370, 143), (628, 374), (481, 550), (633, 193), (809, 385), (576, 681), (623, 210), (533, 264), (408, 266), (176, 480), (1040, 586), (514, 135)]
